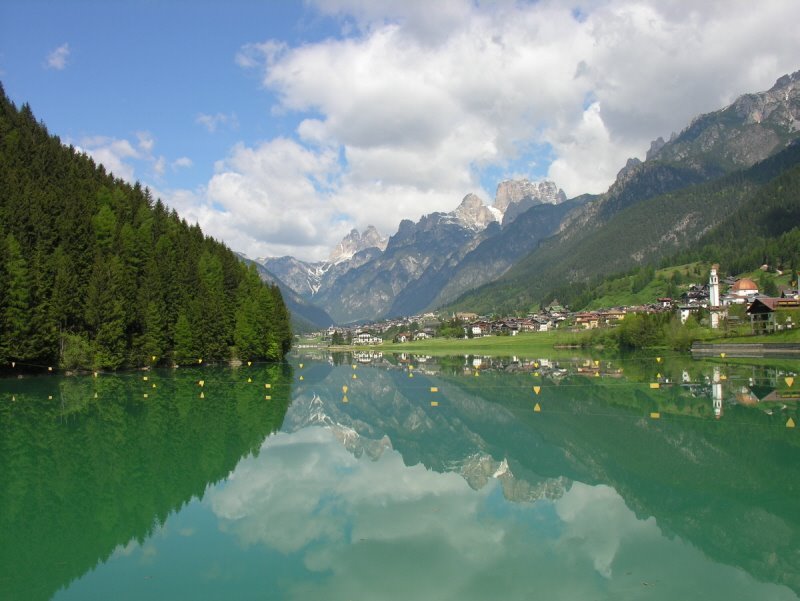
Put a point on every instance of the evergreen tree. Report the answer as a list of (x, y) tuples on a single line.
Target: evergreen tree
[(249, 344), (16, 317), (185, 349), (210, 312), (153, 339), (94, 271)]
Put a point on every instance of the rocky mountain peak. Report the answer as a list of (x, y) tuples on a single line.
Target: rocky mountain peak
[(655, 146), (473, 213), (786, 80), (749, 130), (515, 196), (513, 191), (355, 242)]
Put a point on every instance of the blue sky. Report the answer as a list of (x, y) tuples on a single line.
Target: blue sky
[(152, 67), (278, 126)]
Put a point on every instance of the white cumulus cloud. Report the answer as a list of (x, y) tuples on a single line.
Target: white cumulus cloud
[(326, 511), (123, 157), (214, 122), (182, 163), (58, 58), (411, 105), (114, 154)]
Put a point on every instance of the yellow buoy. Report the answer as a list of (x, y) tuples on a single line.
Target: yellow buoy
[(344, 399), (145, 395), (655, 415), (658, 359), (13, 364), (200, 360), (434, 403), (597, 374), (536, 373), (410, 367), (49, 369), (537, 389), (536, 364), (202, 396), (267, 397), (790, 423), (301, 366), (434, 389), (410, 375), (267, 385), (153, 357), (655, 385), (722, 355), (154, 384), (537, 408), (344, 389), (658, 376), (355, 377), (50, 397), (249, 380), (301, 377), (354, 365), (596, 363), (144, 378), (723, 377), (789, 381), (249, 363), (201, 383), (477, 373), (95, 395)]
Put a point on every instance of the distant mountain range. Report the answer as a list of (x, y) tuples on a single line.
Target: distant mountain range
[(532, 239), (368, 276)]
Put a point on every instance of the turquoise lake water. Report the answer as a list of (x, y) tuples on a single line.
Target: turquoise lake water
[(405, 477)]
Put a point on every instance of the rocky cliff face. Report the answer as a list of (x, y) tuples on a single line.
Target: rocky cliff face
[(473, 214), (424, 259), (749, 130), (754, 127), (514, 197), (516, 190), (404, 278), (355, 242), (367, 276), (307, 278), (302, 277), (502, 247)]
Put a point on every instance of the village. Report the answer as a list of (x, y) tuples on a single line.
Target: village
[(741, 307)]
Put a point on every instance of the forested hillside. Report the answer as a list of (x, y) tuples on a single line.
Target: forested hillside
[(765, 230), (94, 272), (741, 221)]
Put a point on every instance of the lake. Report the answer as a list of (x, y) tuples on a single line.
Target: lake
[(374, 477)]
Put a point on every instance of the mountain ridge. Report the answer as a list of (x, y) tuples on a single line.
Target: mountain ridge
[(432, 262)]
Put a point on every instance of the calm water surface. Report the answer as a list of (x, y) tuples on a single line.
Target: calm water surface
[(398, 477)]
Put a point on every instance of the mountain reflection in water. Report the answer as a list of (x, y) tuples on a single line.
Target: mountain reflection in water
[(375, 493)]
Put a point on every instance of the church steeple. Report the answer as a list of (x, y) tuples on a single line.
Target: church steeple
[(713, 287), (713, 296)]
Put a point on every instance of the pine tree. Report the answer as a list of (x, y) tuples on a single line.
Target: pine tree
[(16, 317), (153, 339), (107, 313), (249, 344), (96, 271), (210, 313), (185, 349)]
